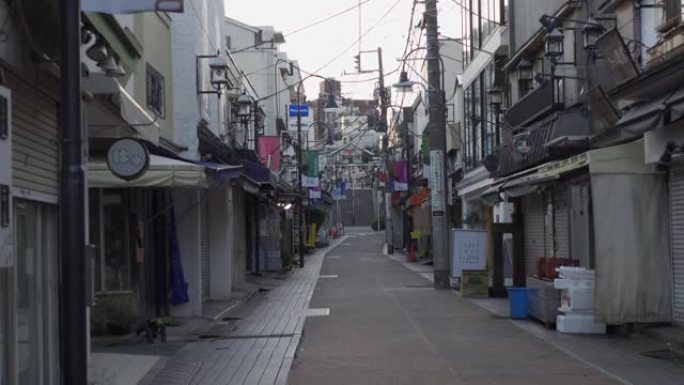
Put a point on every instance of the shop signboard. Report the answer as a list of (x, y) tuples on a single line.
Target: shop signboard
[(469, 251)]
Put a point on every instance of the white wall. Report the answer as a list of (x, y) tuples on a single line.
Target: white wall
[(198, 31), (221, 242)]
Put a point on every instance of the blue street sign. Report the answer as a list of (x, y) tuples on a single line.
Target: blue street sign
[(303, 110)]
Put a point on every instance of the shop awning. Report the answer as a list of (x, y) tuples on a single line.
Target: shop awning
[(220, 171), (162, 172), (643, 117), (131, 119), (625, 158)]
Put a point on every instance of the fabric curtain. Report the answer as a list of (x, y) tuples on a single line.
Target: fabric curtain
[(632, 253)]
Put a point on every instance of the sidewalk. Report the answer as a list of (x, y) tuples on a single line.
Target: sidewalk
[(254, 344), (618, 357)]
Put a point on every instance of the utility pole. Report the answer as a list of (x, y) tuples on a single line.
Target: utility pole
[(384, 101), (437, 132), (72, 325)]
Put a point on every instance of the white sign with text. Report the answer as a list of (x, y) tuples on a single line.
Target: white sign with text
[(469, 251)]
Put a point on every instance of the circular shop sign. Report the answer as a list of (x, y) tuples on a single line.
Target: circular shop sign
[(128, 158)]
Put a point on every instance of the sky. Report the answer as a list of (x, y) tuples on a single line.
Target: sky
[(328, 48)]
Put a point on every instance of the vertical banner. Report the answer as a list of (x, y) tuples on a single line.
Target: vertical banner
[(400, 174), (269, 151), (309, 169), (6, 234), (437, 182)]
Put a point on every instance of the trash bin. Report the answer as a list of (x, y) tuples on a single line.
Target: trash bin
[(517, 300)]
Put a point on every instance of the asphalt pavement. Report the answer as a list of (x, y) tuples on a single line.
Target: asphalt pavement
[(387, 325)]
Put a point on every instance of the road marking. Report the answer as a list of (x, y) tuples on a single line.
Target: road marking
[(334, 257), (329, 276), (322, 312)]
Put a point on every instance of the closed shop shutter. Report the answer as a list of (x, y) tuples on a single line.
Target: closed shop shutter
[(677, 234), (533, 217), (205, 267), (562, 223), (35, 155)]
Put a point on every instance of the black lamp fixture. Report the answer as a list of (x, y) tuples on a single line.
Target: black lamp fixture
[(404, 84), (495, 97), (554, 45), (219, 73), (525, 70), (218, 76), (591, 31), (244, 105)]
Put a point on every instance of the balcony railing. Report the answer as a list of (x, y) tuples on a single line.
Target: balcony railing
[(535, 104)]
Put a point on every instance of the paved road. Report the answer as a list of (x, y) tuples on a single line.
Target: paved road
[(388, 326)]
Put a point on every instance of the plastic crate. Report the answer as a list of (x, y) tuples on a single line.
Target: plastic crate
[(546, 267)]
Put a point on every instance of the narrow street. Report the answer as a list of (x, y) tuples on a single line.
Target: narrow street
[(388, 326)]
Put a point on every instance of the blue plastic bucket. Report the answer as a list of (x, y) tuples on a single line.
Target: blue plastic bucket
[(517, 300)]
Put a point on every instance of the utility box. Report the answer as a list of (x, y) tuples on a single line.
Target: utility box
[(474, 283)]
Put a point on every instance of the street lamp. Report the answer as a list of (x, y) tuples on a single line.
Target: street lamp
[(554, 45), (591, 33), (495, 98), (218, 74), (244, 112), (331, 105), (404, 84), (525, 75)]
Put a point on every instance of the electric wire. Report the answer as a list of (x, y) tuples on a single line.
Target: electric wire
[(375, 25), (327, 18)]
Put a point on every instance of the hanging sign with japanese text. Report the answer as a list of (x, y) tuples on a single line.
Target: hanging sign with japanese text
[(437, 182)]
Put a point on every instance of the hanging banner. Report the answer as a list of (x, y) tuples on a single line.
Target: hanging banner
[(400, 175), (310, 169), (315, 193), (131, 6), (437, 182), (340, 191), (269, 151)]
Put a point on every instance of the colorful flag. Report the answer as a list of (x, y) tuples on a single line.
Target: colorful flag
[(400, 175), (269, 151), (131, 6), (309, 169)]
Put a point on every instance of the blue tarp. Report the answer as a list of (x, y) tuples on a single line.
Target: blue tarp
[(179, 287)]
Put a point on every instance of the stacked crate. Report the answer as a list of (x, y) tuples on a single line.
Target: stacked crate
[(577, 301)]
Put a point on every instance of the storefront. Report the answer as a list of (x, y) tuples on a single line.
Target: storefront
[(591, 208), (29, 190)]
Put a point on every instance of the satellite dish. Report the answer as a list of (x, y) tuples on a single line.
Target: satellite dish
[(491, 163)]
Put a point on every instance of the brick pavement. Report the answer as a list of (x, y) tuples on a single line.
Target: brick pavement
[(256, 350)]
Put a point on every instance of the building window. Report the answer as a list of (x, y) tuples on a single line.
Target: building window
[(110, 232), (155, 91)]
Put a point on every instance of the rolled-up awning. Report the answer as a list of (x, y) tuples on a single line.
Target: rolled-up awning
[(131, 119), (162, 172)]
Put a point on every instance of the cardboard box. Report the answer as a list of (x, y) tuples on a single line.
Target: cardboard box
[(475, 283)]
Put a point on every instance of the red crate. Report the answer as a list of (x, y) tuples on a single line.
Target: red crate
[(546, 267)]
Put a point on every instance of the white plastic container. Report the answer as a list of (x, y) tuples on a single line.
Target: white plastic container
[(577, 299), (565, 283), (579, 324), (577, 273)]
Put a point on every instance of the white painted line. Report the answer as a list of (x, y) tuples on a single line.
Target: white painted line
[(329, 276), (334, 257), (322, 312)]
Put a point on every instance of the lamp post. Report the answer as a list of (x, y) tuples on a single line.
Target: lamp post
[(244, 105), (331, 106)]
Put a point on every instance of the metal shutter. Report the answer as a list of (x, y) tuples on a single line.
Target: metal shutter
[(205, 267), (677, 236), (533, 218), (562, 222), (35, 141)]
